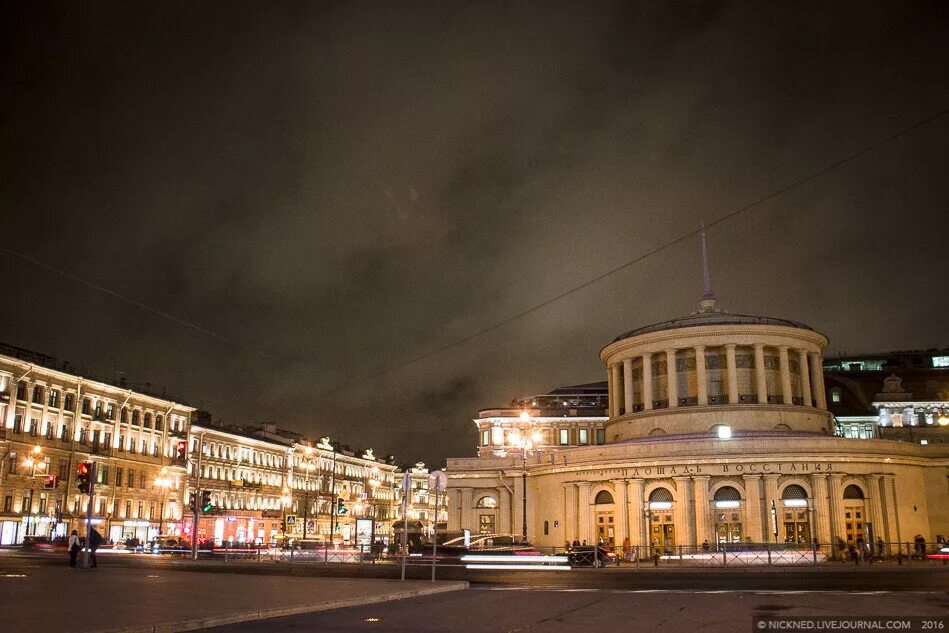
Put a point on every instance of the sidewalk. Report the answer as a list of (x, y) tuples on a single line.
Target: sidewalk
[(115, 599)]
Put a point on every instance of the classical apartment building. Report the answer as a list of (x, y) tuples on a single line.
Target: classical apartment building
[(54, 419)]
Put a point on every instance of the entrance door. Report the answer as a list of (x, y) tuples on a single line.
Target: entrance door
[(728, 527), (605, 529), (854, 524), (663, 532), (797, 528)]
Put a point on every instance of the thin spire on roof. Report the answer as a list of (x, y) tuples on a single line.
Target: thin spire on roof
[(707, 304)]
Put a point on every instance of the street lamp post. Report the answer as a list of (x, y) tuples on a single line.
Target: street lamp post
[(307, 467), (526, 443), (164, 482), (285, 502), (32, 462)]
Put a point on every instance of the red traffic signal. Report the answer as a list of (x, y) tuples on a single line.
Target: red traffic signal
[(83, 476), (181, 449), (50, 482)]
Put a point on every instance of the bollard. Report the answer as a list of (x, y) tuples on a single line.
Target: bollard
[(768, 547), (596, 556)]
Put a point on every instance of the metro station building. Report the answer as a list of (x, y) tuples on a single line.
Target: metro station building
[(716, 428)]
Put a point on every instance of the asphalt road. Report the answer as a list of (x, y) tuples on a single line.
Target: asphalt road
[(837, 578), (497, 610)]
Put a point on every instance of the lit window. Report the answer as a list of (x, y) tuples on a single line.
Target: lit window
[(564, 437), (835, 395), (601, 436), (940, 361), (584, 436), (485, 437)]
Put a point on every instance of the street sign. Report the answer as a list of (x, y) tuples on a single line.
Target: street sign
[(438, 481), (291, 519)]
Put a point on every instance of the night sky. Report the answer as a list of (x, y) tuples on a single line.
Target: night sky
[(318, 192)]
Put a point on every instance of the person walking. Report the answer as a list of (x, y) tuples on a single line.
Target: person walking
[(95, 540), (576, 542), (627, 549), (74, 548)]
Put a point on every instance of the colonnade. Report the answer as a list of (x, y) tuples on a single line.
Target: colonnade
[(693, 510), (636, 382)]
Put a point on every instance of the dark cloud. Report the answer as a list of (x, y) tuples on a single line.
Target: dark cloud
[(337, 188)]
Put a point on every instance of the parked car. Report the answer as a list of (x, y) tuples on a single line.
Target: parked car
[(167, 545), (39, 543), (590, 556)]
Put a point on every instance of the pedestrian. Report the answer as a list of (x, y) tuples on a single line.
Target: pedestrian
[(576, 542), (74, 548), (627, 549), (95, 540), (705, 545), (584, 542), (880, 547)]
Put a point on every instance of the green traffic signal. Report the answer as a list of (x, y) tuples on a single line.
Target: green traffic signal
[(206, 501)]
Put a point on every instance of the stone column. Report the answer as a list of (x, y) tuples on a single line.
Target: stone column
[(805, 379), (611, 392), (835, 495), (622, 511), (821, 503), (647, 381), (817, 381), (702, 507), (890, 509), (786, 392), (504, 511), (682, 512), (672, 378), (771, 495), (570, 531), (732, 369), (760, 376), (586, 512), (637, 534), (465, 510), (617, 389), (876, 507), (753, 512), (628, 384), (701, 380)]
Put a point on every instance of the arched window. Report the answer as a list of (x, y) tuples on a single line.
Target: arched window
[(135, 417), (727, 493), (853, 492), (727, 497), (660, 494), (794, 492), (602, 497), (487, 502)]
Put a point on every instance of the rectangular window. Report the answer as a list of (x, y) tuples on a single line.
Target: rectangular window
[(25, 506), (118, 477), (98, 409), (564, 437), (33, 424), (584, 436), (128, 509), (11, 464), (486, 524), (102, 475), (107, 442), (485, 437), (130, 482), (18, 424), (141, 479), (8, 504), (53, 399), (601, 436), (82, 436), (63, 469), (144, 448), (85, 406), (121, 442), (21, 391), (42, 509), (49, 431), (64, 433), (141, 509)]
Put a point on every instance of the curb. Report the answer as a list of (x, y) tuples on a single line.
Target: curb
[(264, 614)]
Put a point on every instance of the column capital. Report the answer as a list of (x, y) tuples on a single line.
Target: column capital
[(701, 477), (750, 476), (730, 345), (584, 484)]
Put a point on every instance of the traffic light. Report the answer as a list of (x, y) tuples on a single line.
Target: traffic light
[(206, 501), (193, 502), (83, 476), (283, 526), (50, 481), (181, 450), (340, 506)]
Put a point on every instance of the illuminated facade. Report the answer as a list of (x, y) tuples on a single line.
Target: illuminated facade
[(716, 430), (53, 420)]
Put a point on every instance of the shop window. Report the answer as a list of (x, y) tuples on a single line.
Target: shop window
[(486, 524)]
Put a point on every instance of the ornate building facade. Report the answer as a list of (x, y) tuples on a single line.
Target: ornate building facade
[(717, 430), (53, 420)]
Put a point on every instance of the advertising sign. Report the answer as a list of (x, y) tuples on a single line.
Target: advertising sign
[(364, 531)]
